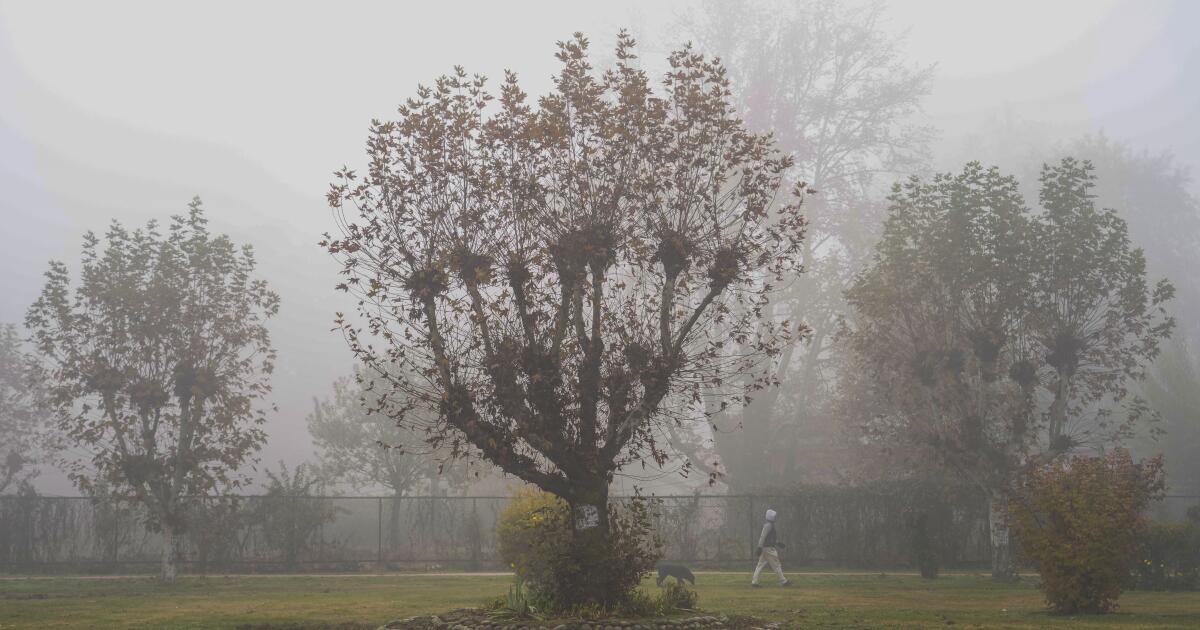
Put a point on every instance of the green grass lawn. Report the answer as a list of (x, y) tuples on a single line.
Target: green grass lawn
[(817, 601)]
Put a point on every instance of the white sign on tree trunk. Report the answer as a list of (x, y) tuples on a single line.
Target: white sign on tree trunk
[(586, 517)]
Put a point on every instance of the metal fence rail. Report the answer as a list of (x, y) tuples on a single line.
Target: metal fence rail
[(276, 533)]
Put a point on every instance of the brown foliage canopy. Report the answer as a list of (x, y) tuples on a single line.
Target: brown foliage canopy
[(546, 276)]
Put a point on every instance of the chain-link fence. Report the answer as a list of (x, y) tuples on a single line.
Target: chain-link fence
[(292, 534)]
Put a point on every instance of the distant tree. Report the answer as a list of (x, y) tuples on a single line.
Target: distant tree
[(155, 363), (293, 511), (1096, 320), (22, 413), (1156, 197), (1173, 391), (553, 282), (831, 83), (976, 310), (357, 442), (937, 334)]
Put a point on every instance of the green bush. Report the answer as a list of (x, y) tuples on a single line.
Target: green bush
[(536, 539), (1169, 557), (515, 605), (1080, 522), (678, 597), (670, 600), (640, 604)]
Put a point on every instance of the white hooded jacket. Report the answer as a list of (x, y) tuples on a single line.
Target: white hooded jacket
[(767, 538)]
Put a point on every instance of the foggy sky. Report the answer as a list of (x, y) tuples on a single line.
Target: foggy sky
[(127, 110)]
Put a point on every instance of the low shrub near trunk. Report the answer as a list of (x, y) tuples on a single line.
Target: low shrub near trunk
[(1080, 522), (536, 539)]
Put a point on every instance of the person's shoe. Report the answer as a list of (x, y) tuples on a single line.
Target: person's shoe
[(786, 583), (755, 585)]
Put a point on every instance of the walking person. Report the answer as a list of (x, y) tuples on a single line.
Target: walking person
[(768, 552)]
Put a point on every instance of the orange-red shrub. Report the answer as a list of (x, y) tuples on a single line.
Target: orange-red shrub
[(1079, 521)]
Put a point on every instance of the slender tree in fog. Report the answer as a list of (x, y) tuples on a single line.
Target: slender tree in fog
[(1153, 192), (959, 324), (22, 414), (156, 364), (831, 83), (938, 336), (293, 511), (563, 278), (1096, 320), (360, 443), (1154, 195)]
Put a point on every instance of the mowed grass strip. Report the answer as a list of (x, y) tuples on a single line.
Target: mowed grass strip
[(351, 602)]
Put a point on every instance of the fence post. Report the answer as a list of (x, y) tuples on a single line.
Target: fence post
[(29, 531), (379, 532), (116, 532), (751, 521), (475, 533)]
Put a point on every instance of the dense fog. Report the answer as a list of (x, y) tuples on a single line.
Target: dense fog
[(127, 110)]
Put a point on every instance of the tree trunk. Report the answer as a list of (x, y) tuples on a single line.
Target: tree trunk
[(1058, 413), (169, 554), (1003, 567), (589, 522)]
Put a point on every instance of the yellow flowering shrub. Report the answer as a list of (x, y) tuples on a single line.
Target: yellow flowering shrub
[(528, 525), (535, 537)]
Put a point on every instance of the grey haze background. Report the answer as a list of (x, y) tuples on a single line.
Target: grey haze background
[(126, 110)]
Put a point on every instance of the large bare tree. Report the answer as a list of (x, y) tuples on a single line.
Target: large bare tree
[(831, 83), (559, 280), (155, 364)]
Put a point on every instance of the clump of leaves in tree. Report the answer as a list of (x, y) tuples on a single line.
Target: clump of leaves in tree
[(1080, 522), (156, 363), (556, 280)]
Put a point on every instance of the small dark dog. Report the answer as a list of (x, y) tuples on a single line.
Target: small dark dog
[(677, 571)]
